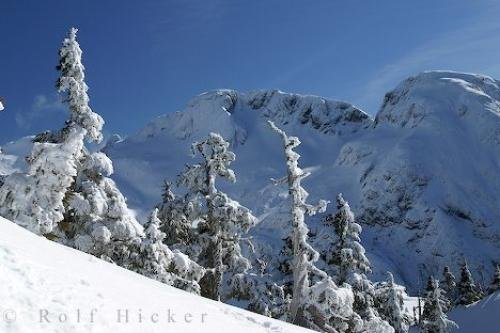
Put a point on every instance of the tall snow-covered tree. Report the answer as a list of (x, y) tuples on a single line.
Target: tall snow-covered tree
[(392, 307), (223, 221), (97, 219), (468, 292), (304, 255), (72, 83), (495, 283), (316, 301), (435, 320), (449, 285), (54, 161)]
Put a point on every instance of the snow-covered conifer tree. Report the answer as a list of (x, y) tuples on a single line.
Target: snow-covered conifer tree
[(98, 219), (495, 283), (157, 261), (174, 212), (72, 82), (285, 261), (429, 290), (391, 306), (346, 257), (325, 311), (435, 320), (35, 200), (263, 295), (54, 161), (349, 255), (224, 220), (449, 285), (468, 292), (304, 254), (316, 300)]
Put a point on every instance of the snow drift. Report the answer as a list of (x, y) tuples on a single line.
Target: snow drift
[(51, 288), (479, 317)]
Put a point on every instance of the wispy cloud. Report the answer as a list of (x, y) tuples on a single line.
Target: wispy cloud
[(41, 107), (183, 15), (473, 48)]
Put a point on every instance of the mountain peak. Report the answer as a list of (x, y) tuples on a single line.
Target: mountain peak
[(230, 112), (439, 97)]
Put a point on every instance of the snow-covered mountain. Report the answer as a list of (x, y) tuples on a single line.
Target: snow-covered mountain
[(423, 176), (47, 287)]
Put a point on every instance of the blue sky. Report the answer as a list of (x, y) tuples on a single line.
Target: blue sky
[(146, 58)]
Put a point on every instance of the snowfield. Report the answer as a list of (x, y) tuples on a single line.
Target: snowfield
[(47, 287), (482, 317)]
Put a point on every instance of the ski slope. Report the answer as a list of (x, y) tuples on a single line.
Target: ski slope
[(47, 287)]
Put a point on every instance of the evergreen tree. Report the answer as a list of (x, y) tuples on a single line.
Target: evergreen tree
[(349, 255), (223, 221), (174, 212), (98, 219), (72, 83), (467, 289), (285, 260), (304, 254), (429, 290), (53, 162), (346, 259), (157, 261), (449, 285), (35, 200), (263, 295), (435, 319), (495, 283), (392, 307), (316, 301)]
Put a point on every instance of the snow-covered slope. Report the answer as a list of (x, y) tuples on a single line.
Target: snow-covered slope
[(480, 317), (47, 287), (423, 176)]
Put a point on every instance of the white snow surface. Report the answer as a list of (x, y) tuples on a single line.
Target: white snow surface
[(43, 280), (422, 177), (479, 317)]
